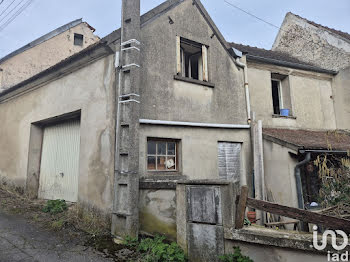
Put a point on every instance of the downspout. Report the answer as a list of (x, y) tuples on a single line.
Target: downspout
[(298, 180), (246, 86)]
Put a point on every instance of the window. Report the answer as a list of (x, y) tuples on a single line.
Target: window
[(277, 99), (192, 59), (281, 98), (78, 39), (162, 155)]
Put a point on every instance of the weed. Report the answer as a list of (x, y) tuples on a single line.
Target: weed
[(130, 242), (57, 225), (156, 250), (55, 206), (237, 256)]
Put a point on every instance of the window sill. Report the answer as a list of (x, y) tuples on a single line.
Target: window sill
[(161, 181), (286, 117), (194, 81)]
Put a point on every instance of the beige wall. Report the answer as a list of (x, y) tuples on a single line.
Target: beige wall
[(311, 98), (279, 173), (341, 87), (198, 149), (169, 99), (90, 90), (40, 57)]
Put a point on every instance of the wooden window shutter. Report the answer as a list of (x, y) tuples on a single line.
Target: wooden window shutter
[(205, 63), (178, 56)]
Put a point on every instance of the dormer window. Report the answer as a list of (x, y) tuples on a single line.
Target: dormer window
[(192, 59)]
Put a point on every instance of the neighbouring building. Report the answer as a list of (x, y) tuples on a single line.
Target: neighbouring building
[(45, 52), (313, 43), (301, 107)]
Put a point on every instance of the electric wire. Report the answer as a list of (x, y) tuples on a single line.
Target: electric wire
[(7, 8), (19, 11), (6, 15)]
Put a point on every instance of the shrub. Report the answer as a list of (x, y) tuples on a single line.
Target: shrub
[(156, 250), (55, 206), (237, 256)]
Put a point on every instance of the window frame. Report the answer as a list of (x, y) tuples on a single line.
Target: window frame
[(180, 63), (75, 37), (156, 155), (280, 94)]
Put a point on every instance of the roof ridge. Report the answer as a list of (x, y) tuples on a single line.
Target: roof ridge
[(339, 32)]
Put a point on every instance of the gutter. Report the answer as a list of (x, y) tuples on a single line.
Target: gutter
[(290, 64), (192, 124), (246, 86)]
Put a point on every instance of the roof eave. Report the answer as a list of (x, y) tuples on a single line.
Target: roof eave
[(289, 64)]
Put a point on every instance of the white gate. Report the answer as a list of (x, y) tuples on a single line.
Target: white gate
[(59, 167)]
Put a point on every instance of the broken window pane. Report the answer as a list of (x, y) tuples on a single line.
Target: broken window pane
[(161, 148), (161, 163), (170, 163), (151, 163), (151, 148)]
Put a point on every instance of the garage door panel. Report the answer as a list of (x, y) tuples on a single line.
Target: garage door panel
[(60, 162)]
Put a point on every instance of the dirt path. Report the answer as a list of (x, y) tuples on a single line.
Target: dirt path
[(25, 242)]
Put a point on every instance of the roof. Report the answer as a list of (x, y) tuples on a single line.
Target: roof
[(332, 30), (277, 58), (307, 139), (45, 37)]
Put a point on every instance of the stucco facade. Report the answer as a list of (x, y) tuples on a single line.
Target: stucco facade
[(41, 56), (313, 43), (311, 96), (89, 90), (341, 90)]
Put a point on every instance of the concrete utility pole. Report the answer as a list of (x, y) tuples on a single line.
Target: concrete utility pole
[(125, 216)]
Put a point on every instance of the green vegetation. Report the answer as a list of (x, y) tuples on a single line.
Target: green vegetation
[(237, 256), (156, 250), (55, 206)]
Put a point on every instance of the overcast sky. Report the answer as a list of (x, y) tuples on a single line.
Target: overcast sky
[(43, 16)]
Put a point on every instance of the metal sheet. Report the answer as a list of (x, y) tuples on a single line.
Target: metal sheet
[(59, 168), (229, 161)]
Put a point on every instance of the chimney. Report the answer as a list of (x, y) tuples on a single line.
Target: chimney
[(125, 214)]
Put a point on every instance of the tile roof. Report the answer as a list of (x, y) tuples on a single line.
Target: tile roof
[(307, 139), (277, 57), (334, 31)]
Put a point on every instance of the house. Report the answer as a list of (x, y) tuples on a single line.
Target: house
[(302, 119), (45, 52), (115, 126), (313, 43)]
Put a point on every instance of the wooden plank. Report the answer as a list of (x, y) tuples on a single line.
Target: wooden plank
[(242, 203), (300, 214), (273, 224)]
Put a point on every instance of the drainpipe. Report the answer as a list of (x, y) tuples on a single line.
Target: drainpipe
[(298, 180), (246, 85)]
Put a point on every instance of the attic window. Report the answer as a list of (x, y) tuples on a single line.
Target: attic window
[(192, 59), (78, 39)]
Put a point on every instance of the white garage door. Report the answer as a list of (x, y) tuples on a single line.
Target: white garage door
[(59, 166)]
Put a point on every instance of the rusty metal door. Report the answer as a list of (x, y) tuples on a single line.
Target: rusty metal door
[(59, 168)]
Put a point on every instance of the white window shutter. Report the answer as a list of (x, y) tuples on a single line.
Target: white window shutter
[(205, 63), (178, 56)]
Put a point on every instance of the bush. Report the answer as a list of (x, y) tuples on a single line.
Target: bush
[(235, 257), (55, 206)]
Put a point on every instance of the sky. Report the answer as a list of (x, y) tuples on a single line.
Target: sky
[(43, 16)]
